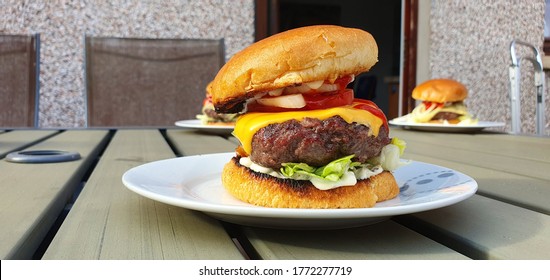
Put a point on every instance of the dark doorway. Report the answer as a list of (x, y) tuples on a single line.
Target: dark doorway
[(383, 19)]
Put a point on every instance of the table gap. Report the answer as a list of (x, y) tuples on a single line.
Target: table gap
[(61, 217), (170, 143), (436, 235), (512, 202), (241, 241)]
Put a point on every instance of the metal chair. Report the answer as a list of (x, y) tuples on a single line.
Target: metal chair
[(515, 81), (19, 71), (148, 82)]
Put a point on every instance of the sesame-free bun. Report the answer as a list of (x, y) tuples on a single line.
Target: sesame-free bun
[(306, 54), (440, 90), (265, 190)]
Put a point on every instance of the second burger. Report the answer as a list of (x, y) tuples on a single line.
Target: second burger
[(441, 102)]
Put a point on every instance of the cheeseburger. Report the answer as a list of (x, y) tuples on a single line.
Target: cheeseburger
[(305, 141), (209, 116), (442, 101)]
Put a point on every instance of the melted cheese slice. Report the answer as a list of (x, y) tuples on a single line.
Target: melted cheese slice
[(248, 124)]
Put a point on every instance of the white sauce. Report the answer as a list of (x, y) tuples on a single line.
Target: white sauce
[(348, 179)]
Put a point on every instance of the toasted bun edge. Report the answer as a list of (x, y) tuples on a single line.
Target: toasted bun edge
[(440, 90), (264, 190)]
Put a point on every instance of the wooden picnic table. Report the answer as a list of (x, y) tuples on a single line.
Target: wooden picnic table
[(80, 209)]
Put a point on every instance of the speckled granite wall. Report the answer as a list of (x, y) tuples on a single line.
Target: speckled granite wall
[(62, 25), (470, 41)]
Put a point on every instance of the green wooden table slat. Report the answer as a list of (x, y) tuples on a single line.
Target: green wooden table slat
[(109, 221), (511, 146), (33, 195), (531, 193), (234, 140), (18, 139), (481, 226), (489, 229), (384, 240), (502, 162), (188, 142)]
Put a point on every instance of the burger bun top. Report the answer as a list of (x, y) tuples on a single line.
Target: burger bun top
[(440, 90), (293, 57)]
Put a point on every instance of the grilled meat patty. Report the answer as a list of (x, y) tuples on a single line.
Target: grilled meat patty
[(445, 116), (315, 142)]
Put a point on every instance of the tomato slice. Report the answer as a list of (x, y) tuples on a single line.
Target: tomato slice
[(429, 104), (371, 107), (328, 99), (313, 102), (325, 100), (343, 82)]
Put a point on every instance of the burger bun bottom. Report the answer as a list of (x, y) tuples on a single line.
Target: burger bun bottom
[(268, 191)]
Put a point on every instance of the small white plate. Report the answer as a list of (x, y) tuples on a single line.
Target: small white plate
[(480, 125), (197, 124), (194, 182)]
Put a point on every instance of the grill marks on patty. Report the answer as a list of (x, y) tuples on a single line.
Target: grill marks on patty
[(315, 142)]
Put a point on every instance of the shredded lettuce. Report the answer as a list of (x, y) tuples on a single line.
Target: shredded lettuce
[(390, 156), (422, 114), (344, 171), (331, 172), (389, 159), (467, 120), (400, 144), (337, 173)]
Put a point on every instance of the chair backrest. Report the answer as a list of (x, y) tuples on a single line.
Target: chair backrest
[(19, 62), (148, 82)]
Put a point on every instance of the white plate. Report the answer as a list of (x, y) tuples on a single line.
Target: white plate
[(194, 182), (197, 124), (480, 125)]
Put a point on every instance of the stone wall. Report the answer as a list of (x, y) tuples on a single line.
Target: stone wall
[(63, 24), (470, 42)]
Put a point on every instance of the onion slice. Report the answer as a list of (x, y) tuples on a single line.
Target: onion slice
[(327, 87), (315, 85), (284, 101)]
